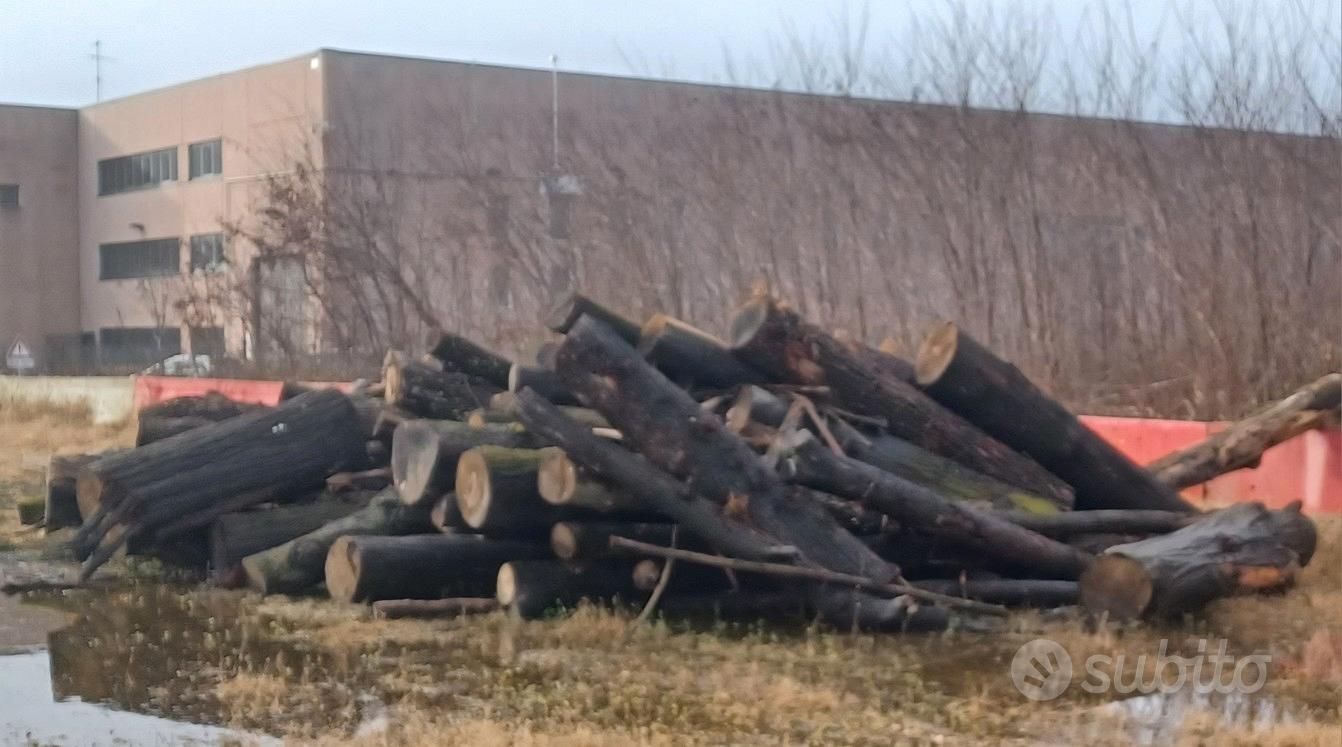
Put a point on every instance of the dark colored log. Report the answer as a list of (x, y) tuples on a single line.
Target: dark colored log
[(273, 451), (914, 506), (692, 356), (496, 490), (369, 479), (543, 381), (886, 364), (424, 453), (685, 578), (420, 389), (212, 406), (947, 477), (993, 394), (396, 609), (668, 427), (1238, 550), (545, 354), (531, 587), (459, 354), (583, 540), (1009, 592), (150, 429), (299, 564), (658, 490), (851, 515), (1111, 521), (423, 566), (503, 409), (62, 505), (446, 515), (1242, 444), (235, 536), (561, 482), (738, 606), (777, 341), (378, 454), (755, 404), (384, 426), (571, 307)]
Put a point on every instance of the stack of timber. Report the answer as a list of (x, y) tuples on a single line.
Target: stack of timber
[(784, 470)]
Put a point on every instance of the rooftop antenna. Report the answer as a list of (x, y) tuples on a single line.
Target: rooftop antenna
[(554, 109), (98, 58)]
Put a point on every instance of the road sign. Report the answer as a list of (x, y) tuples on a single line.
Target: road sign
[(20, 357)]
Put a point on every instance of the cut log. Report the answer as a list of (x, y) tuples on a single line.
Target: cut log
[(62, 505), (777, 341), (993, 394), (754, 404), (916, 507), (150, 429), (212, 406), (659, 491), (1009, 592), (1238, 550), (424, 566), (283, 450), (583, 540), (503, 409), (886, 364), (571, 307), (497, 492), (947, 477), (686, 578), (369, 479), (424, 453), (235, 536), (422, 390), (531, 587), (692, 356), (561, 482), (543, 381), (298, 564), (459, 354), (446, 515), (396, 609), (1242, 444), (384, 426), (1111, 521)]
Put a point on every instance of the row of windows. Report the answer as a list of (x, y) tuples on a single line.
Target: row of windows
[(143, 170), (154, 258)]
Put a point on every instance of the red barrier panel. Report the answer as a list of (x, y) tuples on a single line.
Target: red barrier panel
[(151, 390)]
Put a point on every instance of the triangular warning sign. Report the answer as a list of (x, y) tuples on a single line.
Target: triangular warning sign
[(20, 350)]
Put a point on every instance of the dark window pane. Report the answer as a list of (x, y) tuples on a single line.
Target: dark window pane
[(207, 252), (138, 171), (138, 259), (205, 158)]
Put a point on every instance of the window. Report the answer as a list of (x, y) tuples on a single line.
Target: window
[(9, 195), (139, 259), (139, 171), (207, 341), (205, 158), (138, 346), (207, 252)]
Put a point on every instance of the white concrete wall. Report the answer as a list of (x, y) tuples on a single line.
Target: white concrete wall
[(110, 399)]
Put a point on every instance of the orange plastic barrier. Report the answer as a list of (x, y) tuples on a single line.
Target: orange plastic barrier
[(151, 390)]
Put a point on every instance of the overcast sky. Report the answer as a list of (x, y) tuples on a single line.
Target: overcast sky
[(46, 45)]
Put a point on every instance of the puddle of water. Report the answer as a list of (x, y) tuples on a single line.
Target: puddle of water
[(30, 713)]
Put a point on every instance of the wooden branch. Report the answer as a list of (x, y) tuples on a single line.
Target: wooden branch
[(1110, 521), (691, 356), (459, 354), (569, 308)]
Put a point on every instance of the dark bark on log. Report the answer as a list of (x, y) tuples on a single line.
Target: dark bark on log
[(396, 609), (446, 515), (1111, 521), (947, 477), (883, 363), (275, 451), (917, 507), (1242, 444), (1010, 592), (640, 479), (968, 378), (530, 587), (212, 406), (369, 479), (503, 409), (496, 490), (461, 355), (691, 356), (1238, 550), (543, 381), (583, 540), (422, 390), (424, 453), (754, 404), (62, 504), (685, 578), (561, 482), (150, 429), (568, 309), (676, 434), (384, 427), (299, 564), (545, 354), (235, 536), (777, 341), (424, 566)]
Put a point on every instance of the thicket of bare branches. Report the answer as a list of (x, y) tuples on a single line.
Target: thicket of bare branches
[(1183, 271)]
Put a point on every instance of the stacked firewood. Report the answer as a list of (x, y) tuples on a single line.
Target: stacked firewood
[(786, 470)]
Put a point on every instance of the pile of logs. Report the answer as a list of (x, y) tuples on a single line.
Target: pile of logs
[(785, 470)]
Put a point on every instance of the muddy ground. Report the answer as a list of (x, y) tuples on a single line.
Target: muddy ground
[(152, 648)]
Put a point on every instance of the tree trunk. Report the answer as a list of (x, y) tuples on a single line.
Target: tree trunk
[(496, 490), (1111, 521), (237, 535), (686, 578), (286, 449), (424, 453), (62, 504), (422, 390), (369, 479), (543, 381), (691, 356), (777, 341), (530, 587), (423, 566), (561, 482), (503, 409), (1010, 592), (395, 609), (149, 429), (1238, 550), (1242, 444), (917, 507), (966, 377), (573, 306), (446, 515), (584, 540), (298, 564), (459, 354)]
